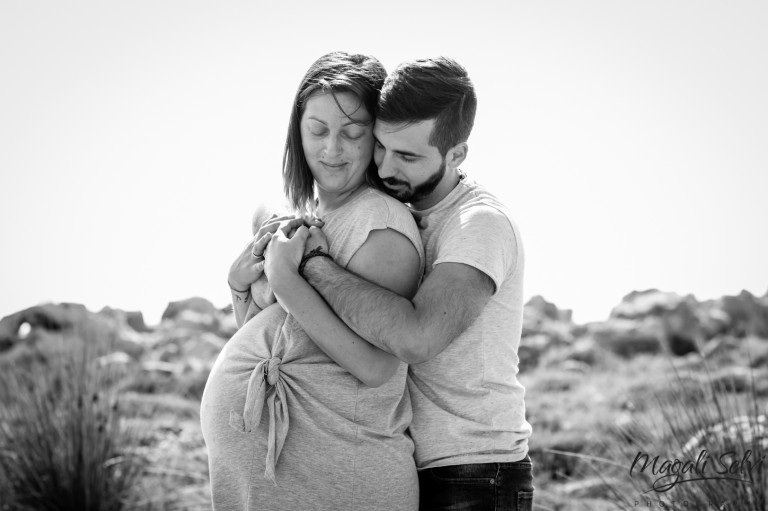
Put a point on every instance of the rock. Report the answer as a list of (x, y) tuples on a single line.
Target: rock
[(677, 317), (195, 304), (640, 304), (626, 338), (544, 327), (69, 318), (548, 310), (748, 315), (205, 347), (719, 346), (576, 366), (133, 319), (731, 434), (116, 358), (585, 351), (162, 367)]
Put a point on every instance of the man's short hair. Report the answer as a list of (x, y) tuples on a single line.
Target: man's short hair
[(424, 89)]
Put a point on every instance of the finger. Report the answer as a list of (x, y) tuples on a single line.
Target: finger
[(301, 235), (260, 244), (311, 221), (273, 223), (288, 226)]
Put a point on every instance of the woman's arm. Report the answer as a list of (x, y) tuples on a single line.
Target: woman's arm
[(387, 258), (240, 303), (249, 265)]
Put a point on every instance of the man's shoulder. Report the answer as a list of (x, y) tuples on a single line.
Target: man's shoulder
[(480, 206)]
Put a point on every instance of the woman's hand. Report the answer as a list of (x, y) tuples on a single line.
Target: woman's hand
[(249, 265), (284, 253)]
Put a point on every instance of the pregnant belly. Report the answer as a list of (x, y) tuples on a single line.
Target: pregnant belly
[(272, 350)]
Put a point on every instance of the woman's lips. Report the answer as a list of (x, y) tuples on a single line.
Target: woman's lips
[(333, 165)]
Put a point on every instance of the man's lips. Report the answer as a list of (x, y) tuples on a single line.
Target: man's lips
[(393, 184)]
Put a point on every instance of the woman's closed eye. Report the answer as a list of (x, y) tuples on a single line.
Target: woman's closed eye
[(318, 132), (354, 135)]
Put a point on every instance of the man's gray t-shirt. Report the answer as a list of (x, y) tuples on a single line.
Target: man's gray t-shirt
[(467, 402)]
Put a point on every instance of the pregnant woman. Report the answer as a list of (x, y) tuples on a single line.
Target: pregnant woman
[(298, 411)]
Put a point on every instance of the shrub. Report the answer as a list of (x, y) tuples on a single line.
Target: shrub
[(710, 423), (62, 443)]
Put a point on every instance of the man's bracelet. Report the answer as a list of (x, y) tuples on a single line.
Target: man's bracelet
[(237, 290), (315, 252)]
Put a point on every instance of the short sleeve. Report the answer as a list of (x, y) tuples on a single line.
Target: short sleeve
[(349, 231), (483, 237)]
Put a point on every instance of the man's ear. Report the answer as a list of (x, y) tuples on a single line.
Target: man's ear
[(456, 155)]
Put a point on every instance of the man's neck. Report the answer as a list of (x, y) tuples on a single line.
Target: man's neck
[(447, 184)]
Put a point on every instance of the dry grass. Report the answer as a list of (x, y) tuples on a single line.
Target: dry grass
[(589, 429), (63, 444)]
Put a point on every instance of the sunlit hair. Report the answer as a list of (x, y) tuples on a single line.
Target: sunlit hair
[(425, 89), (361, 75)]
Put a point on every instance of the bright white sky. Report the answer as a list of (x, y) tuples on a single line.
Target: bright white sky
[(629, 139)]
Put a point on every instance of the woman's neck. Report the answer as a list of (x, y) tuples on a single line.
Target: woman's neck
[(331, 201)]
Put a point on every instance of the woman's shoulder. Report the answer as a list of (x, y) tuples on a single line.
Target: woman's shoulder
[(374, 199)]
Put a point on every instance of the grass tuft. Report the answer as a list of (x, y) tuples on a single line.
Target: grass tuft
[(63, 444)]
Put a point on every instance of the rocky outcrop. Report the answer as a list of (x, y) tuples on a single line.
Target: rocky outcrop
[(747, 315), (625, 337), (671, 317), (545, 327)]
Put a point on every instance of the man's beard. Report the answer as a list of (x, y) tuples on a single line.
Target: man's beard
[(411, 195)]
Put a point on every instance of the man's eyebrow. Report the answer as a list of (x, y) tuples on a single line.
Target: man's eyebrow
[(398, 151)]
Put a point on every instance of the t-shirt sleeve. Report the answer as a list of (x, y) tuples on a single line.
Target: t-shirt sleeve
[(482, 237), (376, 213)]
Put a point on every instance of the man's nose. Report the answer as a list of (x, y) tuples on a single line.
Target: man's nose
[(385, 165)]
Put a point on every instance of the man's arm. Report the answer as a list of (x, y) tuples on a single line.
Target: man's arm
[(445, 305), (387, 258)]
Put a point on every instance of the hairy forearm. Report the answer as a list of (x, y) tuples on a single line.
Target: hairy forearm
[(378, 315), (366, 362)]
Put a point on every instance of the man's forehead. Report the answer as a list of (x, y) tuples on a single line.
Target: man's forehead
[(414, 132)]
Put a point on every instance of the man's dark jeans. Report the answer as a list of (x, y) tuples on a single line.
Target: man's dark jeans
[(483, 486)]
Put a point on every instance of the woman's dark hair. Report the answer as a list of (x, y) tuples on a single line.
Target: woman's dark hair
[(361, 75), (438, 89)]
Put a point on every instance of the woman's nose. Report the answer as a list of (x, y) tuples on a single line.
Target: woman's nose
[(332, 145)]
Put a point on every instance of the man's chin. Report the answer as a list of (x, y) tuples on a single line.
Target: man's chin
[(402, 194)]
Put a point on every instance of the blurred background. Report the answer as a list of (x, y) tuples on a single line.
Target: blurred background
[(627, 138), (137, 138)]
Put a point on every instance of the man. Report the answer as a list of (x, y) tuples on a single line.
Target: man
[(461, 331)]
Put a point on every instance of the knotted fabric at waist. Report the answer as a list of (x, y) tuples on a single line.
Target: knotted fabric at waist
[(265, 376)]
